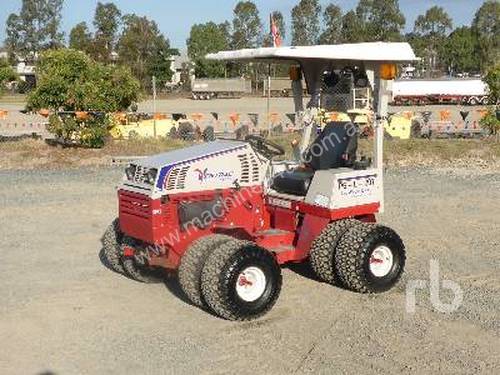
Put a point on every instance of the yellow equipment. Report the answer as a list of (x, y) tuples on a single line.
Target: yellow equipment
[(398, 126), (125, 127)]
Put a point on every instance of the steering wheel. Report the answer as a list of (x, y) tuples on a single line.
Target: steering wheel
[(264, 146)]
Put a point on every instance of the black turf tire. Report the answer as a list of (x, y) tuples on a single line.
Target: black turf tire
[(111, 244), (353, 256), (186, 131), (209, 134), (220, 274), (322, 256), (192, 263), (138, 272), (416, 129)]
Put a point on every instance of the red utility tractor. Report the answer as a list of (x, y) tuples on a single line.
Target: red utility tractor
[(225, 215)]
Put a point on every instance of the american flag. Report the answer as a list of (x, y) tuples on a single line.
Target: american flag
[(275, 33)]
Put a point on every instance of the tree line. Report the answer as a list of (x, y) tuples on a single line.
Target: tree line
[(136, 41), (442, 47), (122, 39)]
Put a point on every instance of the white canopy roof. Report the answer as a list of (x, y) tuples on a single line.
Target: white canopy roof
[(376, 52)]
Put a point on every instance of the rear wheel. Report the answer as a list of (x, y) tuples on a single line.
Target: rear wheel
[(242, 132), (473, 101), (192, 264), (241, 281), (136, 267), (322, 256), (111, 242), (209, 134), (416, 129), (370, 258), (185, 131)]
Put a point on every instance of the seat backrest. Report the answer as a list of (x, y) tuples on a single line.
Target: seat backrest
[(335, 147)]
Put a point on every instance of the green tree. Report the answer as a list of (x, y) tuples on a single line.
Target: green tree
[(35, 28), (247, 26), (54, 37), (145, 50), (432, 28), (7, 74), (352, 28), (107, 19), (69, 80), (14, 40), (363, 13), (486, 24), (460, 50), (490, 121), (434, 23), (492, 79), (380, 20), (419, 45), (306, 23), (80, 38), (206, 38), (332, 18)]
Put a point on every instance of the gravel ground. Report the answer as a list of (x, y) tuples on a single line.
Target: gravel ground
[(63, 312)]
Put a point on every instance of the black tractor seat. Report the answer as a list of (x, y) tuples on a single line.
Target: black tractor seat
[(335, 147)]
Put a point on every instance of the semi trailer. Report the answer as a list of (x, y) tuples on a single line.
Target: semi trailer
[(440, 91), (211, 88)]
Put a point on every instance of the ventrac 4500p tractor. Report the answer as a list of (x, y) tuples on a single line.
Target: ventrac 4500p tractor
[(225, 215)]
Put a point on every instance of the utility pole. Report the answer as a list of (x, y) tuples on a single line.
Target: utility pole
[(154, 106)]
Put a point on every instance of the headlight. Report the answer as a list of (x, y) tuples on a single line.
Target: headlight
[(130, 171), (151, 176)]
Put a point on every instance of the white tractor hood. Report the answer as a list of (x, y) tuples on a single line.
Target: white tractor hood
[(192, 153)]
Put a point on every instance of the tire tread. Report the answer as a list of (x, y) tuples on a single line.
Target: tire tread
[(111, 242), (353, 248), (323, 249), (192, 263), (213, 280)]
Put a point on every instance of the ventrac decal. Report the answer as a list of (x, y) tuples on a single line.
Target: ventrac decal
[(209, 175), (165, 170), (357, 186)]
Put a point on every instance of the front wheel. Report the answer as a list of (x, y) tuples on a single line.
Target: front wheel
[(111, 242), (241, 281), (136, 267), (192, 264), (370, 258)]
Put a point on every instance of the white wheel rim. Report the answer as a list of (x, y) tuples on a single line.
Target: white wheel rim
[(250, 284), (381, 261)]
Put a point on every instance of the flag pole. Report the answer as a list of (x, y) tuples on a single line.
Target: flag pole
[(269, 98), (269, 79)]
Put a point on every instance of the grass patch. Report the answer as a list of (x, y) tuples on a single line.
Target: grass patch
[(31, 154)]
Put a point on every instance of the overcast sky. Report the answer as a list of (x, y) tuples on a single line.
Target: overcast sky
[(175, 17)]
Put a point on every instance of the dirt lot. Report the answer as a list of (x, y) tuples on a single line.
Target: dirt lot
[(63, 312)]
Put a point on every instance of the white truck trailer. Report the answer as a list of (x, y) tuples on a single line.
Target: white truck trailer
[(440, 91), (210, 88)]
